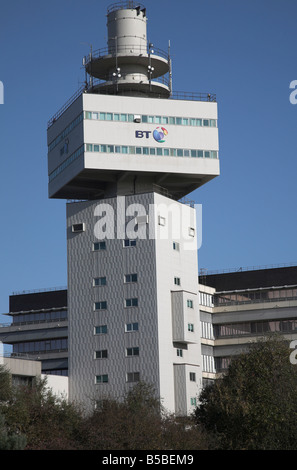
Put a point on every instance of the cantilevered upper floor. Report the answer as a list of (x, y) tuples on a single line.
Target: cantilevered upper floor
[(106, 145)]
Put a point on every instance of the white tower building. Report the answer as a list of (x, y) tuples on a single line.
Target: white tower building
[(127, 150)]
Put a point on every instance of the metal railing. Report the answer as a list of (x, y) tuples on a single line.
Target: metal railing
[(125, 4), (67, 105), (24, 356), (36, 291), (125, 49), (177, 95), (207, 272)]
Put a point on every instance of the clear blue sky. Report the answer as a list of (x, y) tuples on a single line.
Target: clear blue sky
[(244, 51)]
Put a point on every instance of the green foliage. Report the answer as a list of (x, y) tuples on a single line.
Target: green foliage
[(5, 384), (47, 421), (254, 405), (10, 441), (137, 422)]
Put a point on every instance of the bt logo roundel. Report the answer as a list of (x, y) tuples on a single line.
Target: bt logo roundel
[(159, 134)]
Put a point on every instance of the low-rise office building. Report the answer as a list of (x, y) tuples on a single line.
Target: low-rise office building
[(235, 309)]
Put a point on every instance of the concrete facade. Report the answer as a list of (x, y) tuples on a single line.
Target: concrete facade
[(166, 281)]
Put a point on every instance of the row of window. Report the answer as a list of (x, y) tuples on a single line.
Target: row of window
[(102, 305), (58, 315), (66, 163), (258, 328), (45, 346), (149, 119), (128, 242), (131, 302), (135, 377), (103, 354), (128, 279), (130, 377), (159, 151), (206, 300), (123, 117), (65, 132), (102, 329), (246, 297)]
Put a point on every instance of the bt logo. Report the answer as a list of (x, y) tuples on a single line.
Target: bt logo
[(158, 134)]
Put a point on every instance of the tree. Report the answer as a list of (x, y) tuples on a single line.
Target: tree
[(137, 422), (254, 405), (48, 421), (8, 439), (5, 384)]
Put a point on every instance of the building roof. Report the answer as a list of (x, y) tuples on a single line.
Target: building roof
[(251, 279), (38, 300)]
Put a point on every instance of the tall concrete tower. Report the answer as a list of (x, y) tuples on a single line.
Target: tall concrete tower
[(127, 150)]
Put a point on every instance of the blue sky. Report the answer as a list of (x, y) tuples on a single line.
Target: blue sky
[(244, 51)]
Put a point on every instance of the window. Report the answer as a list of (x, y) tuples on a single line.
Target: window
[(101, 305), (161, 220), (132, 351), (176, 246), (102, 329), (99, 281), (101, 379), (102, 354), (191, 327), (131, 327), (191, 232), (130, 278), (179, 352), (131, 302), (129, 242), (190, 303), (192, 377), (133, 377), (78, 228), (193, 401), (97, 246), (177, 281)]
